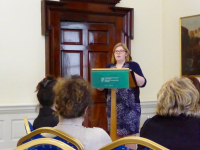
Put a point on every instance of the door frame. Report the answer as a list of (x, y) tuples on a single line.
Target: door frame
[(94, 11)]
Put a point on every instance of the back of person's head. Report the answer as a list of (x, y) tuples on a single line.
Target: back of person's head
[(178, 96), (45, 93), (72, 96)]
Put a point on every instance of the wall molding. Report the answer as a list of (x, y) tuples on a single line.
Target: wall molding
[(13, 109), (32, 108), (148, 103), (148, 108)]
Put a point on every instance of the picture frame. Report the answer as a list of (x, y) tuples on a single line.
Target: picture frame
[(190, 45)]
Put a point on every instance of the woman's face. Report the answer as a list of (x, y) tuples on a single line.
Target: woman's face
[(120, 54)]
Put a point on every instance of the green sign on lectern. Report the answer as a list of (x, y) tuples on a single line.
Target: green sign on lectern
[(110, 78)]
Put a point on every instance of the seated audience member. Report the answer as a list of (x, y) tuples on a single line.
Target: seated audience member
[(176, 124), (72, 98), (45, 95)]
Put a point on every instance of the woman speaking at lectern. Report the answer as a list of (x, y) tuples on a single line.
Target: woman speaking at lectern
[(127, 100)]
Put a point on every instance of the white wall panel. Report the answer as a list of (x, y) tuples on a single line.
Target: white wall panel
[(18, 129), (1, 130), (12, 125)]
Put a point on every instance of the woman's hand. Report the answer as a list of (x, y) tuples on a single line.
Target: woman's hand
[(100, 89)]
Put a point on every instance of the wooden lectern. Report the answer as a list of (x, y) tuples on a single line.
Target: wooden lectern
[(113, 78)]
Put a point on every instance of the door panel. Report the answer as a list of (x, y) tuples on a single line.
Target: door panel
[(71, 37), (97, 37), (85, 46), (71, 63)]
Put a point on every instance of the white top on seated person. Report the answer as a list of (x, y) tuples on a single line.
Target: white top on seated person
[(72, 97)]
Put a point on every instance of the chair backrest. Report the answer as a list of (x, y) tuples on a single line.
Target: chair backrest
[(30, 145), (30, 126), (133, 140), (27, 126), (59, 135)]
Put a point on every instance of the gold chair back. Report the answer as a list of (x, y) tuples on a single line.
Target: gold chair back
[(28, 130), (134, 140), (55, 132), (42, 141)]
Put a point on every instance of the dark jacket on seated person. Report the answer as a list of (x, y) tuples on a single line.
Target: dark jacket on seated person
[(174, 133), (46, 118)]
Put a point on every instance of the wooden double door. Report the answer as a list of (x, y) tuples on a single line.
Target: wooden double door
[(85, 46), (80, 35)]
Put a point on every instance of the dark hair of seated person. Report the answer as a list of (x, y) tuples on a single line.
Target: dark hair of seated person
[(45, 92), (45, 96), (72, 96)]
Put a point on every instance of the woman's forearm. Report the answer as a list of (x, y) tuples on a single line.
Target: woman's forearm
[(139, 79)]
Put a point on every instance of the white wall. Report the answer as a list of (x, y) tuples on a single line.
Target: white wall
[(22, 51), (146, 48), (22, 48), (173, 10), (155, 46)]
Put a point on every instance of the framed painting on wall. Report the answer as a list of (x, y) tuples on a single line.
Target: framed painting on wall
[(190, 45)]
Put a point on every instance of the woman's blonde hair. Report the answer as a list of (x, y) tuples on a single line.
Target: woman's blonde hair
[(178, 96), (128, 57)]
